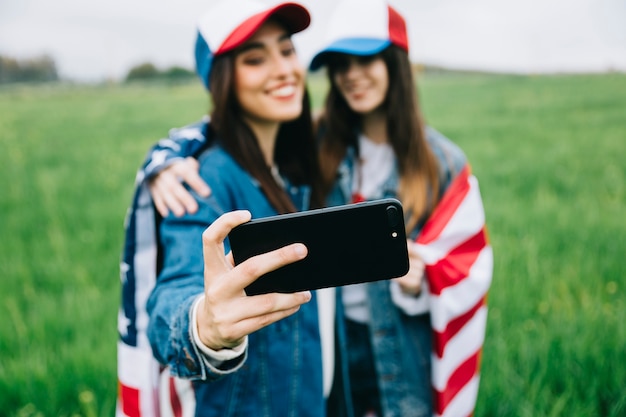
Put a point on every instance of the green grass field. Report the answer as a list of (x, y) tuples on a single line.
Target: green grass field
[(548, 151)]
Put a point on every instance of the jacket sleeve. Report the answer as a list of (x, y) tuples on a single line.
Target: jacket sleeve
[(180, 143), (178, 286)]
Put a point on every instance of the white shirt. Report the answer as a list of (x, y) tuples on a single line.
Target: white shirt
[(375, 166)]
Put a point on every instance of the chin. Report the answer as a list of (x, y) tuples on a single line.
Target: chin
[(362, 109), (289, 114), (360, 106)]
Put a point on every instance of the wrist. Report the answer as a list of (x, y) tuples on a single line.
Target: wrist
[(201, 338)]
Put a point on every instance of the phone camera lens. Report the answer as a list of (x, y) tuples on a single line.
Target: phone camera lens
[(392, 216)]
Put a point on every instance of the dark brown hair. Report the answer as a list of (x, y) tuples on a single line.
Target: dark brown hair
[(295, 152), (339, 126)]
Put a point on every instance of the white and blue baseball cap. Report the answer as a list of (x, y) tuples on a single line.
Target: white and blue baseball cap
[(362, 27), (229, 23)]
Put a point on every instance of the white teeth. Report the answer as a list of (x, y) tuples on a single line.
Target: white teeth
[(284, 91)]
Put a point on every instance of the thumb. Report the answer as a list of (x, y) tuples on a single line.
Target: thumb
[(215, 262)]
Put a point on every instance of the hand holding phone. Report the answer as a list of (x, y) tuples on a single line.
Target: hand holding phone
[(225, 315), (346, 245)]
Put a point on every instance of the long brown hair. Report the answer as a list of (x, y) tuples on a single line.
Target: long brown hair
[(418, 167), (295, 152)]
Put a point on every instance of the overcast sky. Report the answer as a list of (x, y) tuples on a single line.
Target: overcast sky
[(96, 40)]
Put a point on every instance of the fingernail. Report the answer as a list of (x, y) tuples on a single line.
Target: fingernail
[(243, 214), (300, 250)]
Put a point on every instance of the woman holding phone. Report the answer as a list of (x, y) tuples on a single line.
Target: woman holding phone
[(244, 356)]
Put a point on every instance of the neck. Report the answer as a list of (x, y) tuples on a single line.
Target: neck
[(374, 126)]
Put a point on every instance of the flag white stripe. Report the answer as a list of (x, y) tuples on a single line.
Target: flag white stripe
[(464, 402), (184, 392), (140, 359), (144, 263), (458, 299), (458, 349), (186, 396), (131, 359)]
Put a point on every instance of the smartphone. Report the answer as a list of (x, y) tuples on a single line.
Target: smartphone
[(347, 244)]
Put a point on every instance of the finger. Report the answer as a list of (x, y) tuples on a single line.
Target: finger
[(221, 227), (213, 242), (158, 202), (256, 312), (412, 249), (169, 188), (161, 188), (409, 284), (229, 334), (251, 269), (230, 259), (242, 308), (190, 174), (253, 324), (164, 189), (182, 197), (261, 305)]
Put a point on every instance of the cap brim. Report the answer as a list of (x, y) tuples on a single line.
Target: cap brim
[(350, 46), (294, 16)]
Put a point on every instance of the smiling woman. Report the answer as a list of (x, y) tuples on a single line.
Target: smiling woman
[(197, 320)]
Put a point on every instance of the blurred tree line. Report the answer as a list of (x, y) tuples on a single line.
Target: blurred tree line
[(37, 69), (43, 69), (147, 71)]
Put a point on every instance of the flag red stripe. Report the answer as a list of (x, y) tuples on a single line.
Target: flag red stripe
[(459, 378), (174, 400), (456, 265), (130, 400), (441, 339), (450, 202)]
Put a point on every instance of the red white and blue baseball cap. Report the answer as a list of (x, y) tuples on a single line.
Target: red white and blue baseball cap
[(229, 23), (362, 27)]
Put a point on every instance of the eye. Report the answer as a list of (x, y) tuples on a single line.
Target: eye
[(366, 59), (287, 47), (338, 63), (288, 51), (253, 60)]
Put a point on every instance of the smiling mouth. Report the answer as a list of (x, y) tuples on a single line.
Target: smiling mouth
[(358, 93), (283, 92)]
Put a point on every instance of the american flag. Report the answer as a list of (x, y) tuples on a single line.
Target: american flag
[(459, 265), (142, 381)]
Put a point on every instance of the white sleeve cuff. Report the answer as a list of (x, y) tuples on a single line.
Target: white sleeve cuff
[(215, 356), (411, 305)]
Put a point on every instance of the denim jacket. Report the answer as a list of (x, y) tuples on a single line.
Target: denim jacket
[(401, 344), (281, 372)]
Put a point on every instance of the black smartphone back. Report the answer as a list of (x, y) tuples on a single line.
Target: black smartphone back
[(347, 244)]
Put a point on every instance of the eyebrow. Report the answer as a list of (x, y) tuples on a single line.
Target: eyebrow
[(260, 45)]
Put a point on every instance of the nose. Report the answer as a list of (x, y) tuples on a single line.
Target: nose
[(284, 66), (352, 67)]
